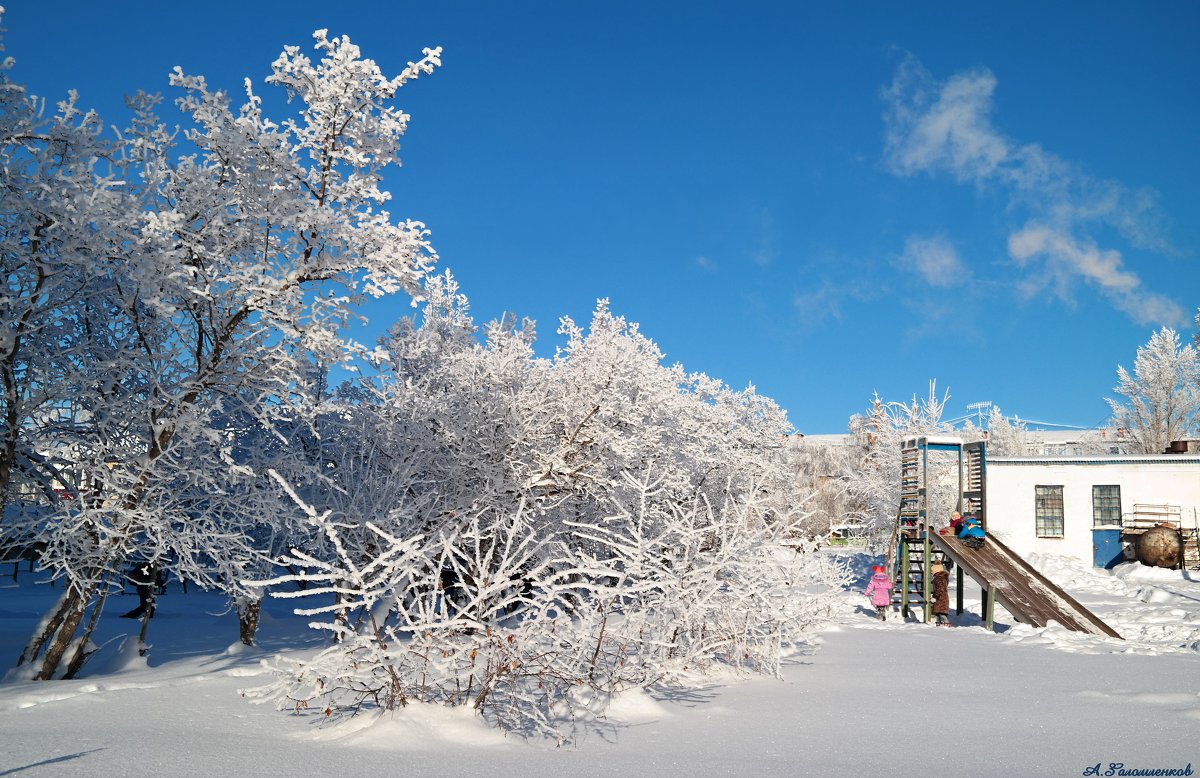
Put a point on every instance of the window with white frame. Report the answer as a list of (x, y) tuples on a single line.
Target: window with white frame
[(1106, 506), (1048, 511)]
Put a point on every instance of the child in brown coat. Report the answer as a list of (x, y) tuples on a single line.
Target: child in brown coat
[(941, 595)]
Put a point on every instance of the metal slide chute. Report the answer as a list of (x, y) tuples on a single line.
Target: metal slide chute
[(1019, 587)]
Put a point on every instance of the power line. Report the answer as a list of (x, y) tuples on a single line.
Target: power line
[(1052, 424)]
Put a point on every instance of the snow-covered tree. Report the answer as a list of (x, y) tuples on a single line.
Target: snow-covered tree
[(223, 268), (483, 526), (489, 423), (615, 408), (1006, 437), (824, 470), (879, 434), (1161, 400)]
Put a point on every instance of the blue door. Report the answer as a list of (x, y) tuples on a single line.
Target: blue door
[(1106, 548)]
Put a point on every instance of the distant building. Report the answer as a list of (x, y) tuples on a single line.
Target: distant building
[(1087, 442), (1091, 507)]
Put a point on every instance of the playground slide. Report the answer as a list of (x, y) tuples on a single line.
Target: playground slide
[(1023, 591)]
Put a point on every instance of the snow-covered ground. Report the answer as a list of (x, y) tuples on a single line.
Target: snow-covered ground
[(869, 698)]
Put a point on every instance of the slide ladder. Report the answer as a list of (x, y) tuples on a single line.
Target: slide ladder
[(910, 552), (910, 589)]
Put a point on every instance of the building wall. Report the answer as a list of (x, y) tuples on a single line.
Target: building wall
[(1171, 480)]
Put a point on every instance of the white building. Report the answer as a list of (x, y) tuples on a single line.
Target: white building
[(1074, 442), (1078, 506)]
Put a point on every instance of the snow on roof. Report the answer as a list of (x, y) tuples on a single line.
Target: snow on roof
[(1106, 459), (838, 439), (945, 440)]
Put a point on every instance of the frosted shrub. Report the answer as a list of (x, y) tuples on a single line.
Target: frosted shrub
[(692, 585), (485, 615), (532, 536), (467, 618)]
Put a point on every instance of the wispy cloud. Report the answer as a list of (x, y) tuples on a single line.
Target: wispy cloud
[(764, 252), (934, 259), (764, 255), (946, 127), (1066, 257), (818, 304), (942, 128), (829, 299), (706, 264)]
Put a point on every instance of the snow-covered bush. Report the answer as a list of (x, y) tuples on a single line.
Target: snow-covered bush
[(696, 584), (538, 535), (479, 615), (464, 618)]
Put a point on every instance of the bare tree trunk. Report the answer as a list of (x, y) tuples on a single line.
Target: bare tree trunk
[(342, 615), (81, 653), (61, 625), (71, 611), (8, 449), (248, 612), (151, 603)]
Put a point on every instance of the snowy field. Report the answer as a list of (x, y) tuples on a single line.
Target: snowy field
[(870, 698)]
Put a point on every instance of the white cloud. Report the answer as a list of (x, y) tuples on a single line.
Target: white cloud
[(950, 131), (706, 264), (1065, 258), (946, 127), (934, 259)]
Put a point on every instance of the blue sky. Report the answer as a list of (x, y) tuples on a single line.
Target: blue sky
[(822, 201)]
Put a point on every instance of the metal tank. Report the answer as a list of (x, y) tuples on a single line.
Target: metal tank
[(1160, 547)]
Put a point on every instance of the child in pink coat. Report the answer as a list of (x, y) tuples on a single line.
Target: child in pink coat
[(880, 591)]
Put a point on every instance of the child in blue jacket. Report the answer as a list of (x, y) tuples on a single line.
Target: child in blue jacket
[(972, 533)]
